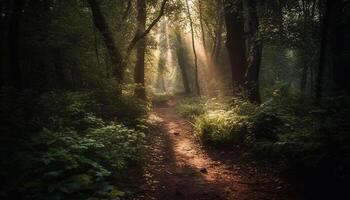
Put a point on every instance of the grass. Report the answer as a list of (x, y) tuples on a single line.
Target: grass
[(190, 108), (160, 98)]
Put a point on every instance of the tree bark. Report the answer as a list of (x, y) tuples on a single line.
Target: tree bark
[(303, 82), (4, 25), (279, 9), (337, 44), (323, 51), (182, 61), (138, 37), (194, 50), (14, 44), (235, 44), (218, 34), (139, 71), (253, 70), (202, 26), (113, 51), (162, 56)]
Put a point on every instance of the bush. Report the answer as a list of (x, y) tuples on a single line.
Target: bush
[(60, 165), (126, 109), (64, 147), (225, 121), (75, 110), (121, 144), (160, 99), (190, 107), (220, 127), (286, 132)]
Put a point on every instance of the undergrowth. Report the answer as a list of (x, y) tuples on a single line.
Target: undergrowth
[(70, 145), (286, 132), (190, 107), (160, 98)]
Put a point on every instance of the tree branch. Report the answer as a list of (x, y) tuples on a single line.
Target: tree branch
[(138, 37)]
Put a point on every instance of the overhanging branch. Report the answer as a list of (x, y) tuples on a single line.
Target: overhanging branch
[(138, 37)]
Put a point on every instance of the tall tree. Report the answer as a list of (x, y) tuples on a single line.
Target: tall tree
[(200, 8), (338, 32), (163, 45), (332, 37), (307, 40), (108, 38), (218, 32), (138, 37), (253, 70), (13, 43), (194, 50), (235, 43), (139, 70), (4, 10), (182, 61)]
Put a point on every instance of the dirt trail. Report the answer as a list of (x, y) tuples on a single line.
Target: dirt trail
[(181, 168)]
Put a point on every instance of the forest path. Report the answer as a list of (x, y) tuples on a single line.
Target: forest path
[(179, 167)]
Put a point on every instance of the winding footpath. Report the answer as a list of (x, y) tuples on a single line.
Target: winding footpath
[(179, 167)]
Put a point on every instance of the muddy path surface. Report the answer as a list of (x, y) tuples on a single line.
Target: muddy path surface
[(179, 167)]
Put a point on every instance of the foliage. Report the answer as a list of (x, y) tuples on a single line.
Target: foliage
[(160, 99), (220, 127), (63, 149), (190, 107), (123, 108), (286, 131), (122, 145)]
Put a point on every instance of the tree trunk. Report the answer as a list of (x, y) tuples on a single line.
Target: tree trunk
[(113, 51), (253, 70), (279, 9), (194, 50), (340, 64), (4, 25), (304, 75), (14, 44), (323, 51), (334, 29), (182, 61), (218, 34), (96, 46), (139, 71), (235, 44), (202, 26), (162, 56)]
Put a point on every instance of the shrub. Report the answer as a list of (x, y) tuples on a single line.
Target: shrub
[(220, 127), (190, 107), (58, 165), (66, 147), (286, 132), (126, 109), (160, 98), (76, 110), (122, 145)]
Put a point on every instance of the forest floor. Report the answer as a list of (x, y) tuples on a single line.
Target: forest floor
[(180, 167)]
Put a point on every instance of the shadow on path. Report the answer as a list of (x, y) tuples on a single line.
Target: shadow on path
[(179, 167)]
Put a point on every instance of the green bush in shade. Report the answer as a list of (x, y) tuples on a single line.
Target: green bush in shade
[(121, 144), (286, 131), (160, 98), (65, 146), (220, 127)]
